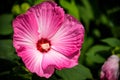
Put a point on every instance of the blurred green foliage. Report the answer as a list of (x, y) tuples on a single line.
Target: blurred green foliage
[(102, 38), (78, 72), (5, 23), (19, 9)]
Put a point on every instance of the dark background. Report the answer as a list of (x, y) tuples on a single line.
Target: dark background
[(101, 19)]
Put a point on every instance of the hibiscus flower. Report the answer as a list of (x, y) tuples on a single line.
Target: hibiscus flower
[(47, 39)]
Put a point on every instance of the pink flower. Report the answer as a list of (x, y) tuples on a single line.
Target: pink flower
[(47, 39), (110, 69)]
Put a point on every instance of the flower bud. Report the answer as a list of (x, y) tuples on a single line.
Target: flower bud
[(110, 69), (24, 7), (16, 9)]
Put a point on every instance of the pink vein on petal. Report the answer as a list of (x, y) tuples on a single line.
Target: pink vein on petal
[(33, 60), (58, 60), (25, 30), (49, 17), (69, 37)]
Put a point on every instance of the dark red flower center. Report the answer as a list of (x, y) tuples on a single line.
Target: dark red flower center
[(43, 45)]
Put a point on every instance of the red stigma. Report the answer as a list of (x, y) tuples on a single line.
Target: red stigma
[(43, 45)]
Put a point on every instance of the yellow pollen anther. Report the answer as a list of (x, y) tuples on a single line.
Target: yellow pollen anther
[(45, 46)]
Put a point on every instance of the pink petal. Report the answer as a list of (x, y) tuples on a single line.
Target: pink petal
[(69, 37), (33, 60), (48, 71), (49, 17), (74, 58), (25, 30), (56, 60)]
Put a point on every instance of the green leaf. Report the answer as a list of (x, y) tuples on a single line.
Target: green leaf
[(91, 59), (86, 12), (93, 56), (113, 10), (78, 72), (88, 9), (104, 19), (5, 24), (7, 50), (71, 7), (86, 45), (98, 48), (113, 42), (97, 33)]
